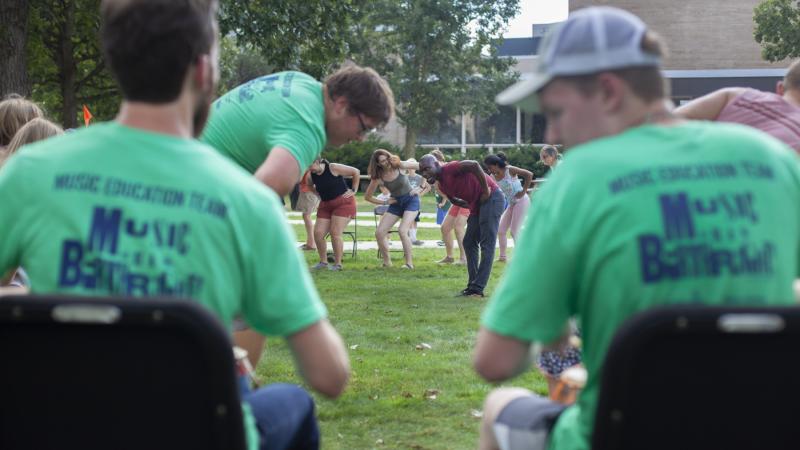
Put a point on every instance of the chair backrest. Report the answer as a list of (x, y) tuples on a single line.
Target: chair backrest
[(379, 211), (100, 373), (691, 377)]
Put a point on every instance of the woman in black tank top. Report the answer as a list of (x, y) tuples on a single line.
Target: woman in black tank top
[(336, 209)]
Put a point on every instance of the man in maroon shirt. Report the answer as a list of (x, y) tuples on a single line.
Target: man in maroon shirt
[(466, 185)]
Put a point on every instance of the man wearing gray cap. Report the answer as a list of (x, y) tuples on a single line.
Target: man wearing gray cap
[(638, 202)]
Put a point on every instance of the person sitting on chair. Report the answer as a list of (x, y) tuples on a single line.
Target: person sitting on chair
[(639, 232), (138, 207)]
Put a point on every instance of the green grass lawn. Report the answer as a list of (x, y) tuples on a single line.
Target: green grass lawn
[(399, 396)]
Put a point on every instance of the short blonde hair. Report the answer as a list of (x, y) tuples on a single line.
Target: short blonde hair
[(16, 111), (36, 129)]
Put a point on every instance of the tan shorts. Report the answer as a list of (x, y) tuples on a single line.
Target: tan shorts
[(307, 203)]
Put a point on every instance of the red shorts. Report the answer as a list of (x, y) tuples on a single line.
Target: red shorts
[(456, 211), (339, 207)]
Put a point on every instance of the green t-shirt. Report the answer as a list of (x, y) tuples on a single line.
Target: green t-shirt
[(284, 109), (697, 212), (115, 210)]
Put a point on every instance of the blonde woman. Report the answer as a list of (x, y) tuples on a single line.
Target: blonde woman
[(15, 112), (36, 129)]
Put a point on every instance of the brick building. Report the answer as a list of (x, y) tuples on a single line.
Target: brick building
[(710, 45)]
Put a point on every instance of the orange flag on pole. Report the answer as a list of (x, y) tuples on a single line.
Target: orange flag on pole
[(87, 116)]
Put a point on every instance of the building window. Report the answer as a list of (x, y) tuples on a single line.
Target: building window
[(446, 131), (499, 128), (532, 128)]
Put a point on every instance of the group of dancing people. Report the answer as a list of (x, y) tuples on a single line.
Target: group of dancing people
[(396, 189)]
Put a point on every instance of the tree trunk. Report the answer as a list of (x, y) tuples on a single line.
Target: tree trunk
[(411, 143), (13, 38), (67, 67)]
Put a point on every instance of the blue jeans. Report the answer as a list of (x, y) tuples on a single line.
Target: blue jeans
[(284, 415), (480, 240), (404, 203)]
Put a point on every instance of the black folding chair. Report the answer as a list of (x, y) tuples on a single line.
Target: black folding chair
[(100, 373), (691, 377), (352, 233)]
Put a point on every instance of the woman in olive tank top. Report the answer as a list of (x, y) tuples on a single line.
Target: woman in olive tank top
[(386, 169)]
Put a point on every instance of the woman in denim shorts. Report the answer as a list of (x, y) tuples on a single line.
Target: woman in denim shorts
[(386, 169)]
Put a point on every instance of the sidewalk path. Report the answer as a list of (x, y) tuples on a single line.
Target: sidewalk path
[(364, 223), (395, 244), (361, 215)]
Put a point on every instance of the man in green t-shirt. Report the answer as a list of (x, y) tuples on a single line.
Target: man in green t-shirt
[(645, 209), (276, 125), (103, 211)]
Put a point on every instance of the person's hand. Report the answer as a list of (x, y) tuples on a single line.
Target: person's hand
[(519, 194), (391, 201), (440, 205), (460, 202), (484, 197), (349, 193)]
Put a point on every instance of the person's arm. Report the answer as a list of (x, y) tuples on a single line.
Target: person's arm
[(348, 171), (13, 290), (373, 183), (709, 106), (406, 165), (527, 179), (280, 171), (475, 169), (424, 187), (321, 358), (444, 196), (498, 358), (311, 185)]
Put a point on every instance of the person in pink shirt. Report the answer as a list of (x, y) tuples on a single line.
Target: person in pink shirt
[(777, 114)]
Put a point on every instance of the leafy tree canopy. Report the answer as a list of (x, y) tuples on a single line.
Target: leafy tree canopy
[(437, 55), (777, 29), (309, 35)]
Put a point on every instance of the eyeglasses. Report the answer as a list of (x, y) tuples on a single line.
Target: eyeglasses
[(364, 129)]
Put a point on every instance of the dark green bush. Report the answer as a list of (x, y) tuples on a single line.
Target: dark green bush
[(357, 154)]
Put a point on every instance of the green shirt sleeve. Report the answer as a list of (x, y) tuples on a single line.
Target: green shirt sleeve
[(300, 138), (535, 297), (12, 202), (279, 298), (301, 128)]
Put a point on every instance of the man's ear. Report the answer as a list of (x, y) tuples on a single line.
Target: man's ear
[(780, 89), (340, 105), (203, 73), (612, 90)]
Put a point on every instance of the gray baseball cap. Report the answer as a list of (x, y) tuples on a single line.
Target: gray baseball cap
[(591, 40)]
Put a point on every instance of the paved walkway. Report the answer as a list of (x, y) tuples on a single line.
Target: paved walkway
[(369, 223), (395, 244), (368, 215)]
